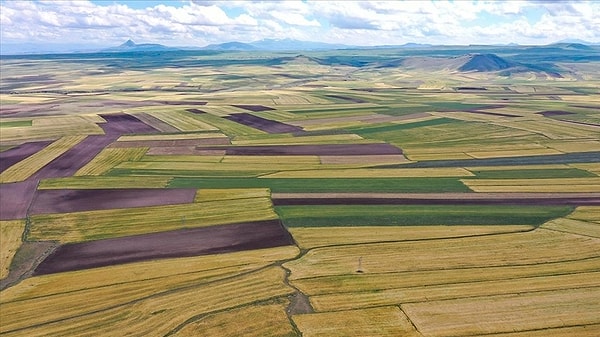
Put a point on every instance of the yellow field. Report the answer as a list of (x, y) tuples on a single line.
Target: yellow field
[(574, 226), (182, 121), (276, 161), (375, 173), (325, 139), (513, 153), (556, 185), (177, 136), (148, 298), (490, 314), (575, 146), (310, 237), (11, 233), (553, 129), (93, 225), (384, 321), (52, 128), (206, 195), (100, 182), (255, 320), (30, 165), (542, 246), (586, 213), (109, 158), (590, 167)]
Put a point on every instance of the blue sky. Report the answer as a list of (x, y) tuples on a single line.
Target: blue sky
[(100, 23)]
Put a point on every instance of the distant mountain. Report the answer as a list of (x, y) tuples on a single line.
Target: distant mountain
[(275, 45), (237, 46), (130, 46), (486, 62)]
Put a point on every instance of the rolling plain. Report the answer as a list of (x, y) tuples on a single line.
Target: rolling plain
[(392, 192)]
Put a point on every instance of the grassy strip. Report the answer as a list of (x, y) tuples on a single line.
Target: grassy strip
[(327, 185), (100, 182), (15, 124), (95, 225), (532, 173), (363, 131), (414, 215)]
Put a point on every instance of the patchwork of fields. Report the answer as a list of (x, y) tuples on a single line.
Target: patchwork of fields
[(232, 200)]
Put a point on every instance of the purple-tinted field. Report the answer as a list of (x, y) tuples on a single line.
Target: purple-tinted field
[(550, 113), (307, 150), (177, 243), (15, 199), (171, 143), (346, 98), (12, 156), (263, 124), (66, 201), (196, 111), (253, 108)]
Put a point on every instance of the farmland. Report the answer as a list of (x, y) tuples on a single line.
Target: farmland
[(327, 193)]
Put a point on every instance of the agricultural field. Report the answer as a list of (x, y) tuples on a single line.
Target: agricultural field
[(328, 193)]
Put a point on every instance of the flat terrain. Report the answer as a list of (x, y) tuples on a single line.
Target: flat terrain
[(389, 192)]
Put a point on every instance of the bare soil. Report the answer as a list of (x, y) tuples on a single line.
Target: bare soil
[(66, 201), (26, 259), (263, 124), (12, 156), (551, 113), (253, 108), (171, 244), (15, 199)]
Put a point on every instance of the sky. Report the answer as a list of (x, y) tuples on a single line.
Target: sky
[(103, 23)]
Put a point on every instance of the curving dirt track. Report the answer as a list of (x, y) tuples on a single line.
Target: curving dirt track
[(67, 201), (178, 243)]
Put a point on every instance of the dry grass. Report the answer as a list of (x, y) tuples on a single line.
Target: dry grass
[(555, 185), (365, 160), (375, 173), (11, 233), (310, 237), (156, 311), (574, 226), (540, 246), (30, 165), (385, 321), (94, 225), (288, 140), (104, 182), (448, 291), (506, 313), (575, 146), (250, 321), (176, 136), (182, 121), (512, 153), (109, 158), (207, 195), (586, 213)]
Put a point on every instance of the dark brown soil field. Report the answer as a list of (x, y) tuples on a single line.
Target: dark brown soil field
[(178, 243), (491, 113), (196, 111), (12, 156), (66, 201), (263, 124), (346, 98), (550, 113), (121, 124), (253, 108), (180, 102), (570, 201), (307, 150), (15, 199)]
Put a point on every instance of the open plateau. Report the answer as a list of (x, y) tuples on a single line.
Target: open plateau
[(427, 191)]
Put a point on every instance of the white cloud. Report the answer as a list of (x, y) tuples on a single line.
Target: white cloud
[(350, 22)]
